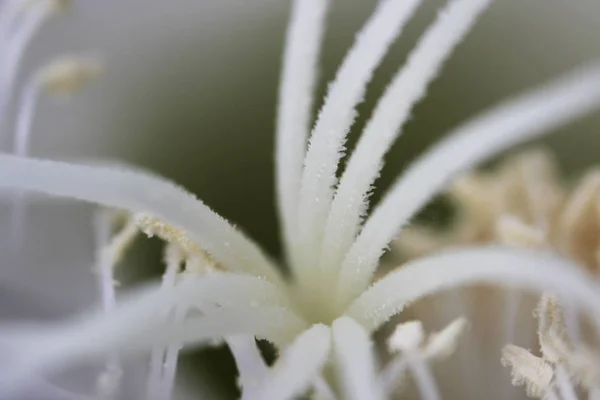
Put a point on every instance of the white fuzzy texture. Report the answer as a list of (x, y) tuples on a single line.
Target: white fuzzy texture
[(336, 117), (355, 361), (299, 365), (515, 121), (236, 304), (298, 79), (493, 265), (391, 113), (134, 328), (138, 191), (252, 300), (250, 306)]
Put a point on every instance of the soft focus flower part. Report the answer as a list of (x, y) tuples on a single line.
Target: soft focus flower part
[(523, 202), (562, 365), (218, 284)]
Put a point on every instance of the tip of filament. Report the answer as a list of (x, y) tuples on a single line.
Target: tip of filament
[(68, 75)]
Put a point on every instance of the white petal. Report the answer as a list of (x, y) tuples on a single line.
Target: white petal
[(41, 349), (303, 44), (355, 361), (137, 191), (517, 120), (492, 265), (391, 113), (138, 322), (337, 115), (298, 366)]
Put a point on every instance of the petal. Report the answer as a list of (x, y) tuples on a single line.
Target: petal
[(355, 361), (296, 92), (298, 366), (336, 117), (391, 113), (520, 119), (139, 323), (143, 192), (492, 265)]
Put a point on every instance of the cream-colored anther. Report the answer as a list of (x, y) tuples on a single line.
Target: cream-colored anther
[(532, 372), (407, 336), (579, 220), (196, 259), (153, 226), (513, 231), (470, 189), (410, 336), (66, 76), (554, 341), (200, 264), (443, 344)]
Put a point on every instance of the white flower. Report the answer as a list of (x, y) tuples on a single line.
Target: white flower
[(322, 315)]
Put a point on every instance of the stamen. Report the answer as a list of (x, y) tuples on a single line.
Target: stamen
[(393, 375), (406, 336), (444, 343), (34, 17), (423, 377), (173, 259), (512, 231), (62, 77), (251, 366), (69, 75), (171, 357), (527, 370), (110, 250), (153, 226), (409, 340)]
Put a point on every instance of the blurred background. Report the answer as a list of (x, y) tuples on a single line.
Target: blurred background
[(190, 91)]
